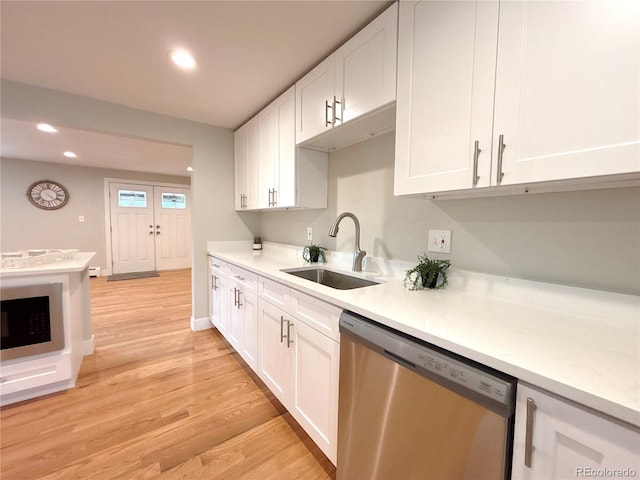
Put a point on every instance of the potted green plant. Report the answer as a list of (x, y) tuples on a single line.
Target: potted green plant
[(257, 243), (313, 253), (429, 273)]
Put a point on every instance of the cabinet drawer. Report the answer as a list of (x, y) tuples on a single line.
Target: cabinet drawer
[(275, 293), (244, 278), (319, 315), (22, 376), (218, 267)]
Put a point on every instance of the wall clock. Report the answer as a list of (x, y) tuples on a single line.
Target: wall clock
[(48, 195)]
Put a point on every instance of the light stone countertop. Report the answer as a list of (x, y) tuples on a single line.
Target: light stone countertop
[(79, 262), (579, 343)]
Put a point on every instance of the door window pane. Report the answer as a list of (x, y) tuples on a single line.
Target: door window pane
[(174, 200), (132, 198)]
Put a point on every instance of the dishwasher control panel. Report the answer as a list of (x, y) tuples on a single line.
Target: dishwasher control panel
[(464, 375)]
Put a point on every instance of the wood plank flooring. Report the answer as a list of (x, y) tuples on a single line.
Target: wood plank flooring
[(156, 401)]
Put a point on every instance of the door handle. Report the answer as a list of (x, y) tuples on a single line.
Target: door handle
[(501, 146), (528, 439), (235, 297), (239, 304), (289, 341), (337, 102), (327, 119), (282, 335), (476, 154)]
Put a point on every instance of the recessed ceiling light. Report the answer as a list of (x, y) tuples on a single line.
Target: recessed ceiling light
[(45, 127), (70, 154), (182, 59), (189, 169)]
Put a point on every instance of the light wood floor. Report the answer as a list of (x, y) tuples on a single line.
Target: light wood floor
[(156, 400)]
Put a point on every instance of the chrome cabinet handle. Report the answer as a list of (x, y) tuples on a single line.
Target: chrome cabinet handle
[(275, 198), (501, 146), (235, 297), (213, 282), (239, 304), (335, 116), (327, 119), (476, 154), (282, 336), (289, 341), (528, 440)]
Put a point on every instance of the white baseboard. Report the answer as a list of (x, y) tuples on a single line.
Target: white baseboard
[(198, 324)]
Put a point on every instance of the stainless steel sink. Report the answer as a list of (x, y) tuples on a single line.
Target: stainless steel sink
[(330, 278)]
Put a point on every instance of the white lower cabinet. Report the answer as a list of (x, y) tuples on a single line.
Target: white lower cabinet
[(313, 400), (300, 364), (243, 314), (273, 363), (288, 338), (557, 439), (218, 301)]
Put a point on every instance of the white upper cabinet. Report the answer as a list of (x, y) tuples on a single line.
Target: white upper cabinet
[(568, 90), (357, 79), (446, 69), (246, 165), (278, 173), (314, 101), (557, 100)]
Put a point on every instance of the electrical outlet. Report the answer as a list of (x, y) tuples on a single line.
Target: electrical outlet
[(439, 241), (309, 233)]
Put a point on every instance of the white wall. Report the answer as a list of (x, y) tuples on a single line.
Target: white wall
[(23, 226), (588, 238), (213, 217)]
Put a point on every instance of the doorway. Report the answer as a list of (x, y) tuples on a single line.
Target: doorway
[(150, 227)]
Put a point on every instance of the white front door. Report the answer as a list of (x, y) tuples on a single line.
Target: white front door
[(150, 227), (132, 228), (172, 213)]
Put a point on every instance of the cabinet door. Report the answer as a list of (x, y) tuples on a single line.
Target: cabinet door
[(273, 355), (236, 324), (285, 184), (249, 345), (365, 67), (240, 164), (312, 91), (253, 164), (567, 91), (446, 73), (218, 307), (268, 122), (570, 442), (314, 401)]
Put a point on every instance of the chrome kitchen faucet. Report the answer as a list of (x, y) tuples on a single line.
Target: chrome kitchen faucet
[(358, 253)]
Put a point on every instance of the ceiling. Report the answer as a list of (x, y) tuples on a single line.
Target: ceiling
[(247, 53)]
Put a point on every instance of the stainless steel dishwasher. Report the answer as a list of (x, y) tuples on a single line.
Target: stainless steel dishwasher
[(409, 410)]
